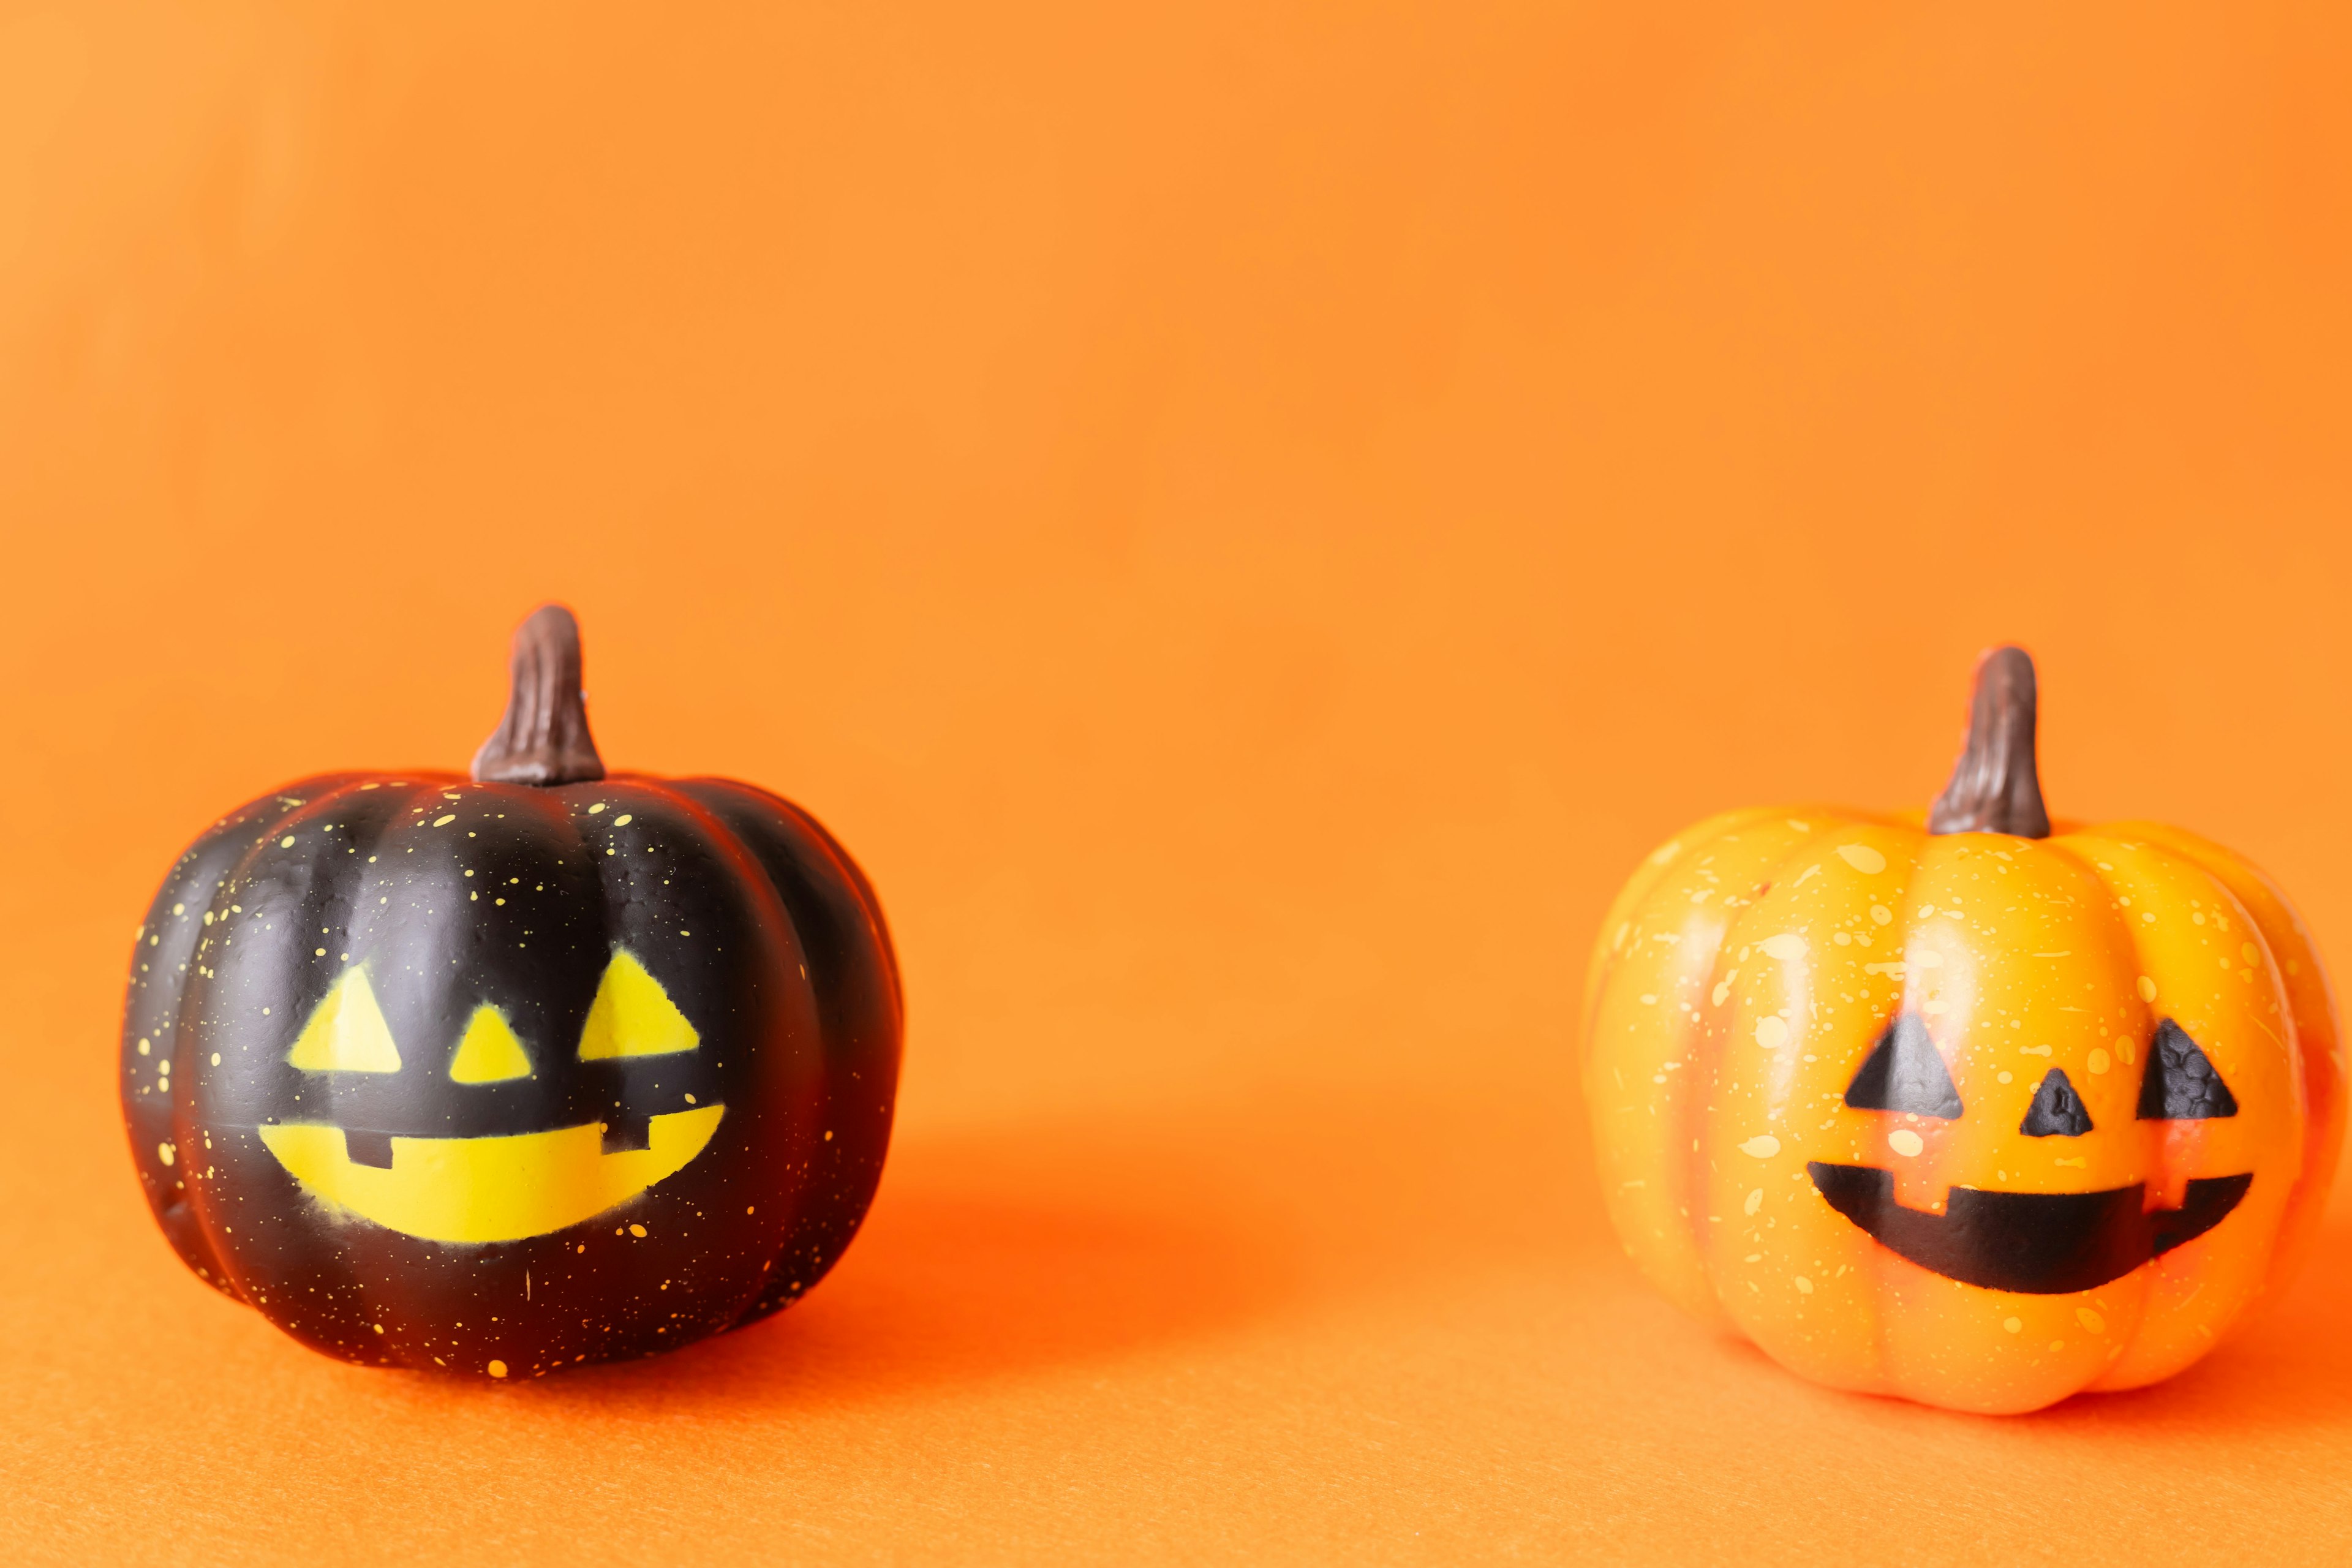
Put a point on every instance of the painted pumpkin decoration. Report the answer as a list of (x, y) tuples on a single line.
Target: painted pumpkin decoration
[(1962, 1111), (504, 1074)]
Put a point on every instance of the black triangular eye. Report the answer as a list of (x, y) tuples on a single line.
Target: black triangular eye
[(2057, 1111), (2181, 1084), (1904, 1073)]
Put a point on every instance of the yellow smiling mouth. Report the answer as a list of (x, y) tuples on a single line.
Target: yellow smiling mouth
[(489, 1189)]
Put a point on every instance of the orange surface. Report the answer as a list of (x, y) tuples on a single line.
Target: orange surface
[(1248, 519)]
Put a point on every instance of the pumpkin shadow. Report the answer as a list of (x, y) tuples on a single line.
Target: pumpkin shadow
[(984, 1256), (2289, 1365)]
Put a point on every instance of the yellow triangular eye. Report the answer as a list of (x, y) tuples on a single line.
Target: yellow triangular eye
[(488, 1052), (346, 1032), (633, 1015)]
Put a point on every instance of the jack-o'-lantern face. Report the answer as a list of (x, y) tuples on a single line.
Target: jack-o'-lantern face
[(495, 1186), (2037, 1243)]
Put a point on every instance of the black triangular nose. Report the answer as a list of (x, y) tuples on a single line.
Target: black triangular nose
[(2057, 1110)]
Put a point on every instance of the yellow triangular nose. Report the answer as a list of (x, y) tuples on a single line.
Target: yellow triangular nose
[(488, 1052)]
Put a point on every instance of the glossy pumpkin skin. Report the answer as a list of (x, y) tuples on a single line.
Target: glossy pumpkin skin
[(1753, 965), (566, 989)]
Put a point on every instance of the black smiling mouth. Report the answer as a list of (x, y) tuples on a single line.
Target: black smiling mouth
[(2034, 1244)]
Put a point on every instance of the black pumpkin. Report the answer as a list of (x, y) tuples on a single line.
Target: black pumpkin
[(503, 1074)]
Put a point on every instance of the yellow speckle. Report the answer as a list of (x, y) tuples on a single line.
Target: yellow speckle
[(2147, 989), (2014, 1325), (2100, 1061), (690, 1100), (2057, 1344), (1771, 1032), (179, 908), (828, 1137), (497, 1369), (444, 821), (686, 933), (2090, 1320), (2005, 1077), (1649, 999), (318, 952), (1904, 1141), (1862, 858), (1665, 852), (2249, 952), (1763, 1146), (166, 1153), (1882, 914), (1755, 1201), (623, 819), (142, 1046), (749, 1207), (215, 1059), (637, 1230), (377, 1326), (2079, 1163), (595, 808), (286, 842), (1804, 1285)]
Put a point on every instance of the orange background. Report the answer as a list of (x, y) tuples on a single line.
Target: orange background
[(1248, 519)]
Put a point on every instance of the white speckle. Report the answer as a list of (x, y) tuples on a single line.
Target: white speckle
[(444, 821), (166, 1153), (2014, 1325), (1804, 1285), (2005, 1077), (2100, 1061), (1722, 989), (1882, 914), (1799, 826), (1763, 1146), (623, 819), (1649, 999), (595, 808), (1658, 856), (1771, 1032), (1843, 940), (1755, 1201), (2147, 989), (215, 1059), (1906, 1142), (1862, 858), (1786, 947), (1925, 958), (2090, 1320)]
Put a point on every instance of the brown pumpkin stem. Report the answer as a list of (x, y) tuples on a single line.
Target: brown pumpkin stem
[(543, 739), (1996, 787)]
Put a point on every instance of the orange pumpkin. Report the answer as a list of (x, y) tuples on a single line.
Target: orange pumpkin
[(1960, 1111)]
